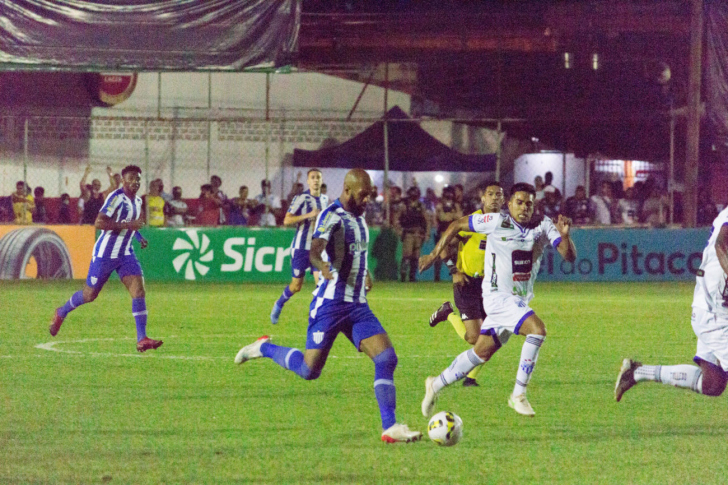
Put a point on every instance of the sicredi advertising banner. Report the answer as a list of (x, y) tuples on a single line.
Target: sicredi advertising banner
[(236, 254), (52, 252)]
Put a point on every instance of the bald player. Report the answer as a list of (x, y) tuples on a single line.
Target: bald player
[(339, 251)]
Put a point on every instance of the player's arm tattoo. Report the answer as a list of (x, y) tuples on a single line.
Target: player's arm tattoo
[(318, 245)]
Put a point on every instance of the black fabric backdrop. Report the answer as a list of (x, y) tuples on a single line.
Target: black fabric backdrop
[(411, 149)]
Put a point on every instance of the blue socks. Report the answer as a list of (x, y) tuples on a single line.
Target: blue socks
[(287, 294), (288, 358), (384, 365), (139, 311), (74, 302)]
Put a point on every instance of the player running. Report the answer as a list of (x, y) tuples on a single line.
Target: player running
[(513, 254), (303, 211), (118, 220), (467, 278), (339, 250), (709, 321)]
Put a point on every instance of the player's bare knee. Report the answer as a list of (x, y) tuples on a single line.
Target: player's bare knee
[(471, 337), (713, 384), (89, 294), (295, 285)]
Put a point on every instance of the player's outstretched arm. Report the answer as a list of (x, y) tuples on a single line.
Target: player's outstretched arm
[(318, 246), (452, 230), (290, 219), (566, 247)]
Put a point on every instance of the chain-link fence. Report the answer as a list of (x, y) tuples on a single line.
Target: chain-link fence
[(54, 153)]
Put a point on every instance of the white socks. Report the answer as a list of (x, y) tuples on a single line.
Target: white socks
[(685, 376), (459, 368), (529, 356)]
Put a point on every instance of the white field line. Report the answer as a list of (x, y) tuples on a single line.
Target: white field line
[(52, 347)]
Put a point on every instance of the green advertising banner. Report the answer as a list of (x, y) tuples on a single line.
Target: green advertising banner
[(232, 254)]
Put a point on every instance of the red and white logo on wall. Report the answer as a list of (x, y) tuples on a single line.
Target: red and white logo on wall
[(113, 88)]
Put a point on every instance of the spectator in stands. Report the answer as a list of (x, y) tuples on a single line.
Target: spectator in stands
[(154, 204), (629, 207), (548, 181), (40, 214), (606, 209), (6, 209), (241, 207), (707, 211), (324, 189), (655, 207), (92, 198), (459, 195), (446, 211), (374, 212), (216, 183), (114, 182), (64, 211), (23, 203), (539, 185), (208, 210), (413, 226), (431, 199), (269, 206), (579, 208), (395, 203), (550, 205), (176, 209), (296, 189)]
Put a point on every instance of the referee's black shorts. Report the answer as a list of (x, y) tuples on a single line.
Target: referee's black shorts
[(469, 299)]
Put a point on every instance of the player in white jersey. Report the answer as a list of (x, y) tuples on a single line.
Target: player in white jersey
[(513, 253), (339, 251), (709, 321), (118, 220), (303, 212)]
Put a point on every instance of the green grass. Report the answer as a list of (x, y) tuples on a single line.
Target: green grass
[(99, 412)]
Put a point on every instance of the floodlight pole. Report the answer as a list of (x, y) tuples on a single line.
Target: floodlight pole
[(692, 149), (498, 152), (387, 208)]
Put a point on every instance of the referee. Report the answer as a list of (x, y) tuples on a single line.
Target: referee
[(467, 278)]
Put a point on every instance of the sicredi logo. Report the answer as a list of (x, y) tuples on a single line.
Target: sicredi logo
[(240, 255), (195, 254)]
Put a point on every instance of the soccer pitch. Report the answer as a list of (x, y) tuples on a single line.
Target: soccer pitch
[(84, 407)]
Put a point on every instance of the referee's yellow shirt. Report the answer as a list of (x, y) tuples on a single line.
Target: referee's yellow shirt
[(471, 253)]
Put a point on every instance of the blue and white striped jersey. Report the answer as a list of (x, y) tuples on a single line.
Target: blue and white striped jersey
[(303, 204), (120, 208), (346, 250)]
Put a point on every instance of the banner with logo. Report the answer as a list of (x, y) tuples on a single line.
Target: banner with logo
[(629, 255), (239, 254), (45, 252), (235, 254)]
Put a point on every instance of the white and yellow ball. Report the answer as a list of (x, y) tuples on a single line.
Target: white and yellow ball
[(445, 428)]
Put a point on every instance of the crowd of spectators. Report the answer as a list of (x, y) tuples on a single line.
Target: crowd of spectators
[(413, 216)]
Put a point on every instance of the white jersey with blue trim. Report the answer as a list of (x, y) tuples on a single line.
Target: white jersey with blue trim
[(303, 204), (346, 251), (512, 252), (710, 283), (119, 208)]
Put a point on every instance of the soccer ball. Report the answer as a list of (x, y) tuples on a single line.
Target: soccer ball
[(445, 428)]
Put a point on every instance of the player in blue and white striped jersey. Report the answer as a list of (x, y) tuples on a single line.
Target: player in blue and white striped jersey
[(119, 220), (339, 251), (303, 211)]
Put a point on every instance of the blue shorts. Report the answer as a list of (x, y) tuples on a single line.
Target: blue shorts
[(355, 320), (101, 268), (300, 262)]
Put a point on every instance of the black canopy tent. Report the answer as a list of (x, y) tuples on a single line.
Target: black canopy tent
[(411, 149)]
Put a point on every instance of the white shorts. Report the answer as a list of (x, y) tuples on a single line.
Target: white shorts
[(505, 315), (712, 333)]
